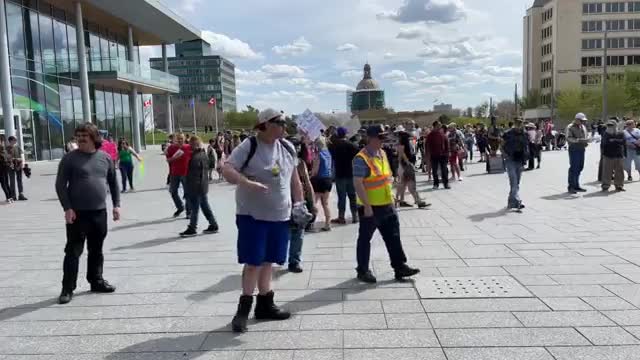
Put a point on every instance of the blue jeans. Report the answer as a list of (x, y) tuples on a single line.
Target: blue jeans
[(576, 165), (196, 203), (345, 188), (295, 245), (514, 170), (174, 185), (385, 220), (126, 173)]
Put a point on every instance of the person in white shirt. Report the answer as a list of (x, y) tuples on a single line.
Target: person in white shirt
[(632, 139)]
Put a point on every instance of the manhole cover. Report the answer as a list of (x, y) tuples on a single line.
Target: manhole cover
[(470, 287)]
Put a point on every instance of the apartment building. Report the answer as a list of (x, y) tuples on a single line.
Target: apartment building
[(564, 43)]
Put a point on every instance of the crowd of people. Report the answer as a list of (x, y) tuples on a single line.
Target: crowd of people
[(12, 168)]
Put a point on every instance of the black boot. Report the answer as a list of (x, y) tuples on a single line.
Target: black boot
[(239, 322), (266, 309), (65, 297)]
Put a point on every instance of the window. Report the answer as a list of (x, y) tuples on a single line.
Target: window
[(616, 25), (615, 60), (547, 32), (633, 60), (633, 6), (591, 79), (591, 26), (614, 7), (546, 49), (546, 83), (547, 15), (546, 66), (616, 77), (592, 8), (633, 42), (634, 24), (588, 44), (616, 43), (592, 61)]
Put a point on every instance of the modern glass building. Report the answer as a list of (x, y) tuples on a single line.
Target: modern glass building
[(65, 62), (202, 76)]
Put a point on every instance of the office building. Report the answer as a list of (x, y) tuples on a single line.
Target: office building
[(65, 62), (564, 42), (202, 76)]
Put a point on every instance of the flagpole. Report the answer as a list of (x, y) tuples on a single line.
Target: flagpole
[(195, 125), (153, 131), (215, 110)]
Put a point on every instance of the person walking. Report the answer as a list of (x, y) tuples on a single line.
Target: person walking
[(212, 156), (469, 141), (178, 156), (16, 164), (322, 180), (578, 142), (632, 138), (373, 182), (515, 148), (81, 186), (613, 148), (5, 169), (407, 172), (342, 152), (125, 164), (263, 168), (438, 147), (531, 136), (197, 188), (456, 145)]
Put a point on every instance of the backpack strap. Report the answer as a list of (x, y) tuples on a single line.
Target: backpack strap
[(290, 150), (252, 151)]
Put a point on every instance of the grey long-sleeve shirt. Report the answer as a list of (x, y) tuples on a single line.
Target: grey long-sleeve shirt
[(81, 183)]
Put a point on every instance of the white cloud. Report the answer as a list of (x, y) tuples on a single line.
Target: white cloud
[(281, 95), (389, 55), (298, 47), (351, 74), (232, 48), (300, 81), (432, 11), (506, 71), (347, 47), (332, 87), (252, 78), (281, 71), (395, 75), (190, 6), (411, 33), (406, 84), (461, 51), (442, 79)]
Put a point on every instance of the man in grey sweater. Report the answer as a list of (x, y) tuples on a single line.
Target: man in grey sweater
[(81, 185)]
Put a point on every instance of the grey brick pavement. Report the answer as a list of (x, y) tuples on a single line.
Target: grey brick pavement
[(578, 256)]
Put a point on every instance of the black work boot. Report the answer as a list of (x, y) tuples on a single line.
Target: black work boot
[(404, 271), (239, 322), (102, 286), (65, 297), (266, 309)]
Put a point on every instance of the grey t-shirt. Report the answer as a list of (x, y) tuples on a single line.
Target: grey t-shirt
[(273, 166)]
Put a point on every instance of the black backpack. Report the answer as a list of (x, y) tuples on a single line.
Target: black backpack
[(254, 147)]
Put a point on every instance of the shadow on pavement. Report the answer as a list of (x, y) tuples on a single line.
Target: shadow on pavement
[(144, 223), (491, 215), (229, 283), (15, 311), (148, 244), (599, 194), (221, 337), (563, 196)]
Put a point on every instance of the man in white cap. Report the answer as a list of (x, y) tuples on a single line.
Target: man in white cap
[(263, 167), (577, 137)]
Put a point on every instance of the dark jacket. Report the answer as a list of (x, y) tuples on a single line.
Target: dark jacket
[(197, 181), (613, 145), (343, 152), (437, 143), (515, 145)]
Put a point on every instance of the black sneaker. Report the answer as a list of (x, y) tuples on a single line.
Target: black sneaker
[(102, 286), (581, 190), (405, 271), (190, 232), (436, 187), (65, 297), (620, 189), (572, 191), (367, 277), (212, 229), (404, 204), (295, 268), (22, 198), (178, 213), (447, 187), (422, 205)]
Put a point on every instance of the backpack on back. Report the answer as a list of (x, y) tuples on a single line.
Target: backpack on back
[(254, 146)]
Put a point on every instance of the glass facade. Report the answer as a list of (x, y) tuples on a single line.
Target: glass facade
[(44, 77)]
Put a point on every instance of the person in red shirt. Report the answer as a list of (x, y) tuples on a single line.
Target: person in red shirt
[(178, 157), (437, 146)]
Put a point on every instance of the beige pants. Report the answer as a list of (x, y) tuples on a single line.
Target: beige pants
[(612, 167)]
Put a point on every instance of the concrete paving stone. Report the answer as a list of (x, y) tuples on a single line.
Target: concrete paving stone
[(563, 319), (557, 270), (407, 321), (343, 321), (630, 293), (578, 260), (214, 355), (533, 353), (385, 354), (308, 295), (596, 352), (87, 327), (634, 330), (276, 340), (565, 253), (567, 304), (381, 294), (402, 306), (589, 279), (221, 309), (222, 323), (325, 354), (608, 336), (268, 355), (104, 312), (483, 305), (496, 262), (332, 273), (473, 320), (362, 307), (535, 280), (568, 290), (593, 252), (532, 253), (608, 303), (314, 307), (367, 339), (472, 271), (624, 317), (510, 337), (540, 246)]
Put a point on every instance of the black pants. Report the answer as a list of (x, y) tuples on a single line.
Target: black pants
[(4, 181), (385, 220), (92, 227), (440, 162), (15, 178), (126, 173)]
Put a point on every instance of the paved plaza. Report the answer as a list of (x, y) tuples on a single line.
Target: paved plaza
[(557, 282)]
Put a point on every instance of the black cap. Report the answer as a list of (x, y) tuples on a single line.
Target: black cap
[(375, 131)]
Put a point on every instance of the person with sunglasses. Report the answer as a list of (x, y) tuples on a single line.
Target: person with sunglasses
[(264, 169), (373, 180)]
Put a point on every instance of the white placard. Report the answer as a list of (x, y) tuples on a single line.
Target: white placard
[(310, 124)]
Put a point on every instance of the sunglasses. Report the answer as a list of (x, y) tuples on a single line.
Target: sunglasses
[(278, 121)]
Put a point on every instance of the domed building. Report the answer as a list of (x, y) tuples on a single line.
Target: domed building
[(368, 95)]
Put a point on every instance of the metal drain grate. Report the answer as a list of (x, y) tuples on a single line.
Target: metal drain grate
[(470, 287)]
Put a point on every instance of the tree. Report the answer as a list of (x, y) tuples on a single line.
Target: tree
[(481, 111), (569, 103), (505, 109), (444, 119), (469, 112), (532, 100), (632, 91)]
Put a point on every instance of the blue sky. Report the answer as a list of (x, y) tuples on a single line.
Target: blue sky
[(298, 54)]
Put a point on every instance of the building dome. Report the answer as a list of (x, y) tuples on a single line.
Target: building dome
[(367, 82)]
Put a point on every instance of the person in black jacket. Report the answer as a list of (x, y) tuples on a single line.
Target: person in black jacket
[(197, 187), (613, 151), (343, 152)]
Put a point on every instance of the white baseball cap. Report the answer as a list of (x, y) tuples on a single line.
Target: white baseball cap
[(267, 115), (581, 116)]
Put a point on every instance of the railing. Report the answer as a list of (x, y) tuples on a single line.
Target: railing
[(134, 71)]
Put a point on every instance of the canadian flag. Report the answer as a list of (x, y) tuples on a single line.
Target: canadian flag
[(212, 101), (147, 103)]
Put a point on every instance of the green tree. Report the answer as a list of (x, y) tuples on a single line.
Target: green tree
[(532, 100), (632, 91), (444, 119), (569, 103), (481, 111)]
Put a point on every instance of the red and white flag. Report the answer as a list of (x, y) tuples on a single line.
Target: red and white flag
[(147, 103), (212, 102)]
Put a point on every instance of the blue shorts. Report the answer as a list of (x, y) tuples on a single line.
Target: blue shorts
[(262, 242)]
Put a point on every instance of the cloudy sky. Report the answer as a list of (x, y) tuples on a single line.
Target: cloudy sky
[(293, 54)]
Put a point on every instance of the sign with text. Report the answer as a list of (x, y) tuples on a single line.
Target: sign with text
[(309, 123)]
